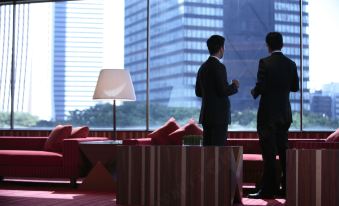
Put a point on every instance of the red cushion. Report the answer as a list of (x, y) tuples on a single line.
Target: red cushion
[(176, 136), (334, 137), (79, 132), (30, 158), (191, 128), (160, 136), (55, 138)]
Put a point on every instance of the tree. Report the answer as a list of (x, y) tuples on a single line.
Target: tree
[(133, 115), (314, 121), (129, 114), (21, 119)]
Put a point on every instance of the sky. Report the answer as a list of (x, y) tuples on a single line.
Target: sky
[(114, 34), (323, 42)]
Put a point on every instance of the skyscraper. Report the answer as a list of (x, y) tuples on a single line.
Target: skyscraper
[(323, 104), (78, 54), (178, 34), (246, 25), (178, 31)]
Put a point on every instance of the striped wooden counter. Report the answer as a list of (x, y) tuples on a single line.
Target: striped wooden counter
[(312, 177), (179, 175)]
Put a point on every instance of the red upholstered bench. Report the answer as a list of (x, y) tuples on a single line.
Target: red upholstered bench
[(26, 157), (30, 158), (252, 159), (320, 144)]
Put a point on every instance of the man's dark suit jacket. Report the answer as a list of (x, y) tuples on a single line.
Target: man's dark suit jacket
[(277, 77), (212, 86)]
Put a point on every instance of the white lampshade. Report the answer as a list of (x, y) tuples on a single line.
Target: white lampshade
[(114, 84)]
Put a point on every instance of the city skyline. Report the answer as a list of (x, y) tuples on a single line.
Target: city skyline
[(319, 75)]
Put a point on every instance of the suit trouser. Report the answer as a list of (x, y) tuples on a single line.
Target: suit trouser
[(215, 135), (273, 138)]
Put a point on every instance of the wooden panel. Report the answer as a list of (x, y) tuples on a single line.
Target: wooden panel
[(194, 176), (209, 179), (312, 177), (123, 165), (170, 175), (177, 175)]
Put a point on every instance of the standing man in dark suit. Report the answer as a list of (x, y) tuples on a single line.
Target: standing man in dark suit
[(212, 86), (277, 76)]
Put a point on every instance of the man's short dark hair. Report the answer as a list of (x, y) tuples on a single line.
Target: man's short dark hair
[(214, 43), (274, 41)]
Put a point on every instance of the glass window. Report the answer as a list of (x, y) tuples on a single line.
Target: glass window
[(173, 53), (133, 114), (60, 49), (244, 26), (6, 33), (247, 25), (323, 113)]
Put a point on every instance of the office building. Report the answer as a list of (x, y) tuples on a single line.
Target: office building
[(78, 54), (178, 33)]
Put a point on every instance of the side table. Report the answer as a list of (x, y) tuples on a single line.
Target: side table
[(102, 156), (312, 177), (178, 175)]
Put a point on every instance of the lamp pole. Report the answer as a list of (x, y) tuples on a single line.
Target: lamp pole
[(114, 122)]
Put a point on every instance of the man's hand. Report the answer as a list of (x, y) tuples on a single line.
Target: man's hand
[(236, 83), (253, 94)]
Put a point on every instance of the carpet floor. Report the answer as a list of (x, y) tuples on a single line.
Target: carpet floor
[(14, 192)]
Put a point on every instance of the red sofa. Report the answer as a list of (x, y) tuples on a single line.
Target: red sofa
[(26, 157), (330, 142), (321, 144)]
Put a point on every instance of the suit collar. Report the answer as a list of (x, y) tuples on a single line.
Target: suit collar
[(214, 57), (277, 52)]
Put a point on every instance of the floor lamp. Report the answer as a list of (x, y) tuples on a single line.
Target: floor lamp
[(114, 84)]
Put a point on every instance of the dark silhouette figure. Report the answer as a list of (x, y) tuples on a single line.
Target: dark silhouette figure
[(277, 76), (212, 86)]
